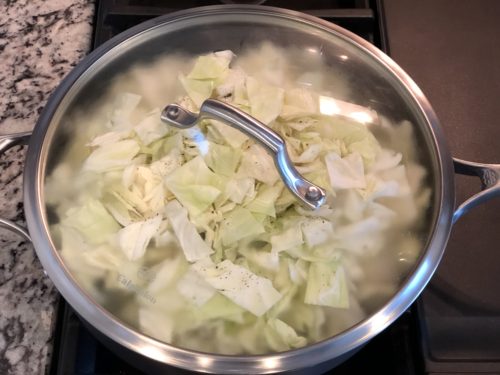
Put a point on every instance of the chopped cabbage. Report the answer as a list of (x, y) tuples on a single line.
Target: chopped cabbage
[(194, 230)]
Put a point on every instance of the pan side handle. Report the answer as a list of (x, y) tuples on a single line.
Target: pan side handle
[(489, 174), (6, 142)]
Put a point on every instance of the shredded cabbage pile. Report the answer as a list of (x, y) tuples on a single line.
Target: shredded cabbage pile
[(192, 237)]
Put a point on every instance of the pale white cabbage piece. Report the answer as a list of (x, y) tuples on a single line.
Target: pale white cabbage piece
[(151, 128), (156, 323), (254, 293), (326, 285), (265, 101), (281, 336), (112, 156), (233, 137), (92, 220), (258, 164), (123, 106), (198, 90), (195, 185), (192, 244), (109, 138), (287, 239), (134, 238), (317, 231), (347, 172), (193, 287), (238, 224)]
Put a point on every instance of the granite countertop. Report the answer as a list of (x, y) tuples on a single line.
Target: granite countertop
[(40, 41)]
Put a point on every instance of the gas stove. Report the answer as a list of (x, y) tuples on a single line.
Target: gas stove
[(454, 327)]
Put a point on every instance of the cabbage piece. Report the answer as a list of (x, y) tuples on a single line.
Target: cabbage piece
[(167, 164), (104, 257), (173, 142), (120, 210), (280, 336), (251, 292), (262, 259), (351, 204), (192, 244), (166, 273), (92, 220), (197, 90), (317, 231), (112, 156), (345, 173), (132, 201), (266, 63), (301, 123), (233, 137), (151, 128), (233, 84), (364, 236), (299, 102), (123, 107), (326, 285), (297, 270), (211, 66), (196, 198), (238, 189), (135, 237), (355, 136), (149, 187), (156, 323), (386, 159), (195, 185), (310, 154), (289, 293), (307, 318), (109, 138), (238, 224), (258, 164), (323, 253), (222, 159), (265, 200), (287, 239), (220, 307), (207, 70), (265, 101), (194, 288)]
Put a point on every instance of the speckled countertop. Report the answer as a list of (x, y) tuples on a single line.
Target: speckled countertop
[(40, 41)]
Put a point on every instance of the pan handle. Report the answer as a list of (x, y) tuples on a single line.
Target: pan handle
[(6, 142), (489, 174)]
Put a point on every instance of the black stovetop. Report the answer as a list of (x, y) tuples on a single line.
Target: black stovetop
[(446, 331)]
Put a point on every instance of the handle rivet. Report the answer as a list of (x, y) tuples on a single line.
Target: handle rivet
[(313, 193), (173, 112)]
